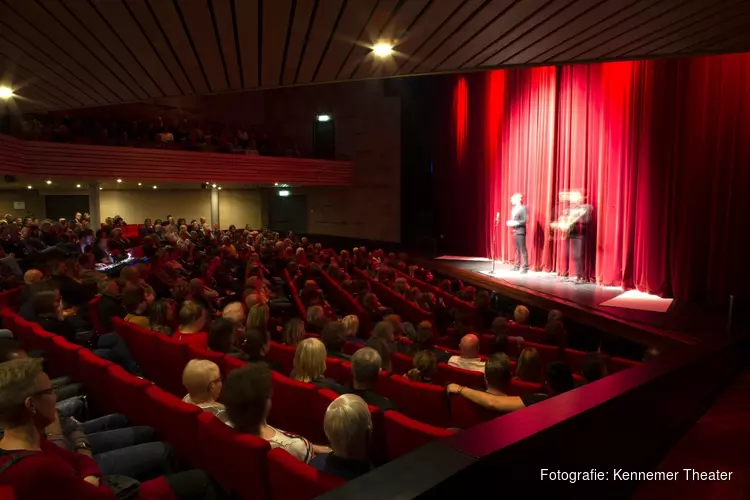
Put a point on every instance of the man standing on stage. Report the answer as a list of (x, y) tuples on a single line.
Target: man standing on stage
[(517, 221)]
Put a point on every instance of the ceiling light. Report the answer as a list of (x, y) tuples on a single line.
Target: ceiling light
[(140, 184), (213, 185), (219, 188), (49, 182), (119, 181), (283, 192), (275, 183), (382, 49), (154, 187), (78, 185), (100, 188), (6, 93), (324, 118), (29, 187)]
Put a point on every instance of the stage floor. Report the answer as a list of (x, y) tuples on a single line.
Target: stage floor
[(682, 323)]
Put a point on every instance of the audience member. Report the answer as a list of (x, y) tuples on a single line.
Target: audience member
[(348, 427), (486, 314), (334, 338), (247, 396), (351, 324), (202, 379), (554, 315), (161, 317), (134, 301), (425, 367), (529, 367), (593, 368), (235, 313), (366, 364), (521, 315), (469, 358), (221, 338), (497, 374), (316, 319), (383, 348), (192, 323), (255, 345), (294, 332), (310, 365), (109, 305)]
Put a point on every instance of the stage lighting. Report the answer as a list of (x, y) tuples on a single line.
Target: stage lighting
[(382, 49), (6, 93), (283, 192)]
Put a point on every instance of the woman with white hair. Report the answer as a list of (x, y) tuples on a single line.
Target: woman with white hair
[(348, 427)]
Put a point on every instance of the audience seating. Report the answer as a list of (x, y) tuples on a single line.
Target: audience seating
[(336, 371), (291, 479), (407, 310), (176, 422), (195, 352), (93, 306), (289, 397), (62, 356), (404, 434), (619, 364), (468, 378), (142, 345), (283, 354), (520, 387), (173, 357), (402, 363), (8, 298), (344, 300), (351, 347), (295, 296), (548, 354), (465, 414), (529, 333), (92, 370), (129, 392), (424, 402)]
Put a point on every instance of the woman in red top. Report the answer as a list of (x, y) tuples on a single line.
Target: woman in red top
[(192, 324), (33, 466)]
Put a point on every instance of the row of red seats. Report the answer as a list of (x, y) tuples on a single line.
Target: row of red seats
[(346, 302), (295, 295), (242, 464), (407, 310)]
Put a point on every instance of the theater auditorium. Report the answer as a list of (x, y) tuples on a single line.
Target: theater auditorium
[(374, 249)]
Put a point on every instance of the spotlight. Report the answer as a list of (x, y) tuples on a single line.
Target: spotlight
[(48, 181), (283, 192), (219, 188), (29, 187), (275, 183), (140, 184), (382, 49), (100, 188), (78, 185), (324, 118), (119, 181), (213, 185), (154, 187), (6, 93)]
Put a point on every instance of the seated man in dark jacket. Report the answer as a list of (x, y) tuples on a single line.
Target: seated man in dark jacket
[(109, 304)]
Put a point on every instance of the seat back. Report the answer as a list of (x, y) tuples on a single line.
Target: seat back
[(175, 421), (63, 358), (346, 302), (465, 414), (195, 352), (9, 322), (402, 363), (173, 357), (403, 434), (92, 372), (291, 479), (93, 306), (574, 359), (8, 298), (619, 364), (129, 393), (142, 345), (295, 296), (282, 354), (424, 402), (548, 354), (529, 333), (351, 347), (289, 397), (520, 387), (447, 374), (231, 363), (237, 461)]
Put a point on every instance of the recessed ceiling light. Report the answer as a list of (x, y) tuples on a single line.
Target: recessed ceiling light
[(119, 181), (219, 188), (382, 49), (78, 185), (213, 185), (140, 184), (29, 187), (49, 182), (283, 192), (324, 118), (100, 188), (6, 92), (154, 187), (275, 183)]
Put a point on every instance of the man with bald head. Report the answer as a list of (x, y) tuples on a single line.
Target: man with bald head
[(469, 358)]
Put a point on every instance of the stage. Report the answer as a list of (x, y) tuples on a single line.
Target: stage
[(681, 325)]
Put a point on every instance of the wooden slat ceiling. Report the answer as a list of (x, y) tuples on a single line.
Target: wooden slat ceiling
[(64, 54)]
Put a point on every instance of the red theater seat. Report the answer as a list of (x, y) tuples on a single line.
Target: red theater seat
[(63, 358), (142, 345), (283, 354), (172, 355), (449, 374), (291, 479), (402, 363), (195, 352), (92, 372), (175, 421), (529, 333), (548, 354), (424, 402), (351, 347), (404, 434), (289, 399), (465, 414), (232, 363), (237, 461), (520, 387), (619, 364), (129, 393), (93, 306), (574, 359)]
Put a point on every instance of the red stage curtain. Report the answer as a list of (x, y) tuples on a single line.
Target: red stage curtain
[(660, 148)]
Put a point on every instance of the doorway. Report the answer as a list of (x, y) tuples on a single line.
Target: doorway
[(288, 213), (65, 206)]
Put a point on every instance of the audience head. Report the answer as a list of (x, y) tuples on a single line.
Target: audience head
[(424, 332), (202, 379), (109, 287), (197, 288), (497, 372), (482, 299), (160, 313), (351, 324), (180, 291), (247, 396), (47, 304), (316, 317), (254, 343), (366, 365), (334, 336), (33, 276), (554, 333), (11, 349), (309, 360), (384, 330), (559, 378), (554, 315), (521, 315), (192, 317), (383, 347), (221, 335), (26, 395), (593, 368), (294, 332), (469, 346), (651, 353), (348, 427), (134, 299), (425, 367), (499, 326), (235, 313), (258, 317), (129, 275), (398, 325), (529, 367)]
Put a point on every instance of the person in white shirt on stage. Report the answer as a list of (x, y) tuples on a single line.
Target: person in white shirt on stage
[(517, 223), (469, 358)]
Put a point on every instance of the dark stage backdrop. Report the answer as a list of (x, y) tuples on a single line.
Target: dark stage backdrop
[(660, 148)]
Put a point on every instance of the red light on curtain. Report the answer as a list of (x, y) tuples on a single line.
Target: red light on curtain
[(461, 117)]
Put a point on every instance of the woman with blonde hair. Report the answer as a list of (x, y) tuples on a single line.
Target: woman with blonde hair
[(258, 317), (310, 365), (351, 323), (529, 368), (425, 367), (294, 332)]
